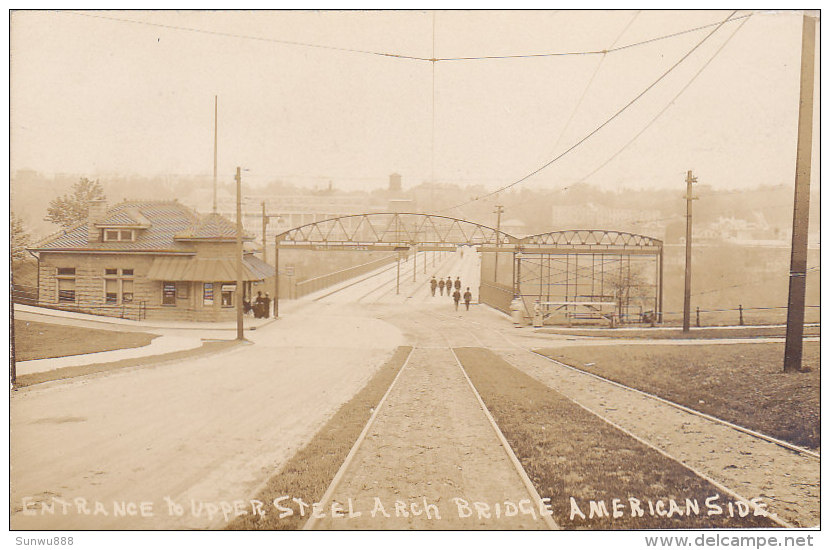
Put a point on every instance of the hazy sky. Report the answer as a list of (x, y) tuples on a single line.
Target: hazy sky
[(97, 96)]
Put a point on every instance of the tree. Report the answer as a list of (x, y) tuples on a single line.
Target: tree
[(70, 209), (20, 239), (629, 287)]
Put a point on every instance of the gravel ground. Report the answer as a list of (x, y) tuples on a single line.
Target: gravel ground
[(431, 444), (749, 466)]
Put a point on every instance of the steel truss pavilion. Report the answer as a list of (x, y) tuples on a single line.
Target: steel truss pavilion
[(573, 265)]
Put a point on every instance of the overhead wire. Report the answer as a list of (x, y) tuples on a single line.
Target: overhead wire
[(588, 85), (590, 52), (601, 126), (382, 53), (668, 105)]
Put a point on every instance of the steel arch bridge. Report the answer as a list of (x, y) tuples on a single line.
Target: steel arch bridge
[(570, 265)]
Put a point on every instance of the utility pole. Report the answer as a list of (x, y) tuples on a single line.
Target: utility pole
[(215, 144), (801, 203), (687, 288), (277, 278), (398, 276), (498, 211), (264, 224), (239, 328)]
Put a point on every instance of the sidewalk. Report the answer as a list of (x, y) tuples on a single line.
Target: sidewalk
[(173, 336), (162, 344), (47, 315)]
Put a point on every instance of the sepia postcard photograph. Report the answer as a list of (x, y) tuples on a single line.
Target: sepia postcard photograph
[(413, 269)]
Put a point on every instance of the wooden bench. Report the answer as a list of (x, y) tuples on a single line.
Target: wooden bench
[(581, 311)]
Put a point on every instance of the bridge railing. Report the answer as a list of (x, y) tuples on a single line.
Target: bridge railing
[(324, 281)]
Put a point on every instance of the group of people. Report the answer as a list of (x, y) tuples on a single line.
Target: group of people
[(449, 284), (261, 307)]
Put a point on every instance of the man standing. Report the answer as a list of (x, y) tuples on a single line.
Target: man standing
[(432, 284), (258, 305), (440, 287), (467, 298), (449, 285), (456, 296)]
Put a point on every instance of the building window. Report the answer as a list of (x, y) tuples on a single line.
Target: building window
[(118, 290), (207, 294), (168, 293), (111, 291), (66, 284), (66, 290), (227, 295), (119, 235), (127, 291)]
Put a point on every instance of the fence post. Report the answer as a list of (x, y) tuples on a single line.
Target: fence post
[(697, 317), (741, 312)]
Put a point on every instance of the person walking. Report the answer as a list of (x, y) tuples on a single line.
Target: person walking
[(467, 298), (440, 287), (449, 285), (456, 296), (432, 284), (458, 284)]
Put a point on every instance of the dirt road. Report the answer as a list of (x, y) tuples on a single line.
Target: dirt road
[(199, 432)]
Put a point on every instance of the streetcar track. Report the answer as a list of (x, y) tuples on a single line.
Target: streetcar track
[(338, 477), (505, 445), (711, 418)]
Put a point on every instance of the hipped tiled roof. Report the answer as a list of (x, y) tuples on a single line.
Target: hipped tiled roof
[(212, 227), (166, 219)]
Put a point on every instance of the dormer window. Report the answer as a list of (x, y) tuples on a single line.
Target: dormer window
[(119, 235)]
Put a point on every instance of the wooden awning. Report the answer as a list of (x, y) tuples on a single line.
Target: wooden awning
[(208, 269)]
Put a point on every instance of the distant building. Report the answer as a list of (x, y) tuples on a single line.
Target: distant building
[(158, 259), (394, 183), (597, 216), (514, 227)]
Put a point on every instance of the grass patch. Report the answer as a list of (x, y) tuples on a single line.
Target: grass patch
[(742, 383), (84, 370), (308, 473), (678, 334), (33, 340), (569, 452)]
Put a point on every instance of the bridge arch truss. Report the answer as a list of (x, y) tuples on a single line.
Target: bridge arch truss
[(587, 265)]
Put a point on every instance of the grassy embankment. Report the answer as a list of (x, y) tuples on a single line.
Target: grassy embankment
[(678, 334), (35, 340), (308, 473), (569, 452), (742, 383)]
